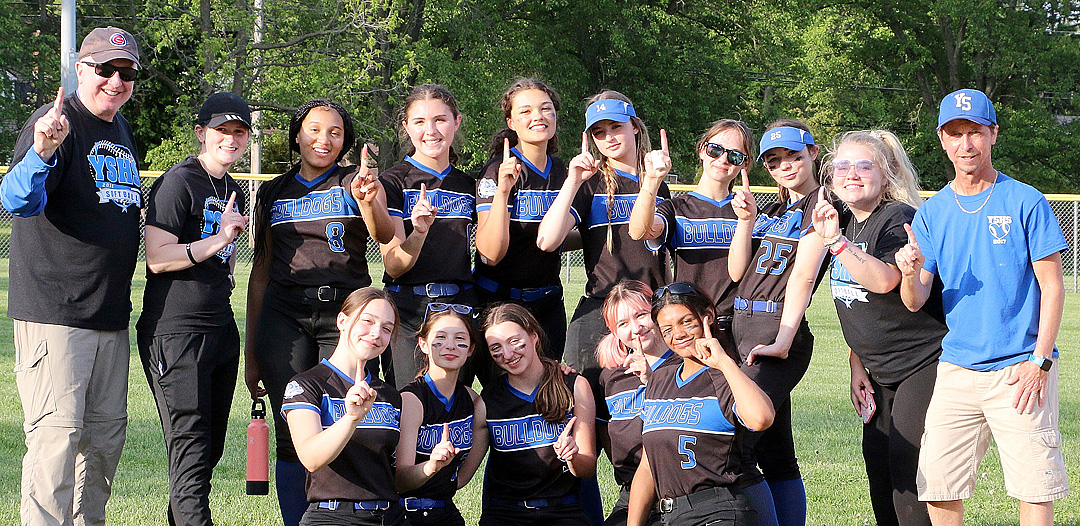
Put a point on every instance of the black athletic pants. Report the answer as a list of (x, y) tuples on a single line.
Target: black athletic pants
[(774, 448), (891, 448), (192, 377), (294, 333)]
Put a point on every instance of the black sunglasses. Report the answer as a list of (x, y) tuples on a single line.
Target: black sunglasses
[(679, 287), (734, 157), (108, 70), (463, 310)]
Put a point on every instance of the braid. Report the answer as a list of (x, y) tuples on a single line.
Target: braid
[(610, 183)]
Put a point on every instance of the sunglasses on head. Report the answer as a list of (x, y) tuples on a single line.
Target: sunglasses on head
[(863, 167), (734, 157), (679, 287), (108, 70), (463, 310)]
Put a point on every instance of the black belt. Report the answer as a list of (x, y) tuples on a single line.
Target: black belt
[(538, 293), (370, 505), (696, 498), (324, 293), (758, 306), (432, 290), (419, 503), (540, 503)]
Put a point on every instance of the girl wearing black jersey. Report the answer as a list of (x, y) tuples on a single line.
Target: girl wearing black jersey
[(540, 424), (432, 206), (345, 422), (699, 410), (600, 208), (778, 260), (312, 225), (871, 173), (515, 189), (628, 355), (188, 340), (443, 435)]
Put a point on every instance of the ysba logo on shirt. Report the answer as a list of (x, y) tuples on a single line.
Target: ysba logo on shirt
[(999, 228), (844, 287), (116, 174), (212, 209)]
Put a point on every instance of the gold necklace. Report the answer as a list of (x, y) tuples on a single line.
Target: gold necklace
[(952, 185)]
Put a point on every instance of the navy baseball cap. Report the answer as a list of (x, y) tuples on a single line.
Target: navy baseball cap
[(608, 110), (223, 107), (969, 104), (784, 137)]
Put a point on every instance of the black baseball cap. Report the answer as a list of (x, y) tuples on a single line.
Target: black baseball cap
[(109, 43), (223, 107)]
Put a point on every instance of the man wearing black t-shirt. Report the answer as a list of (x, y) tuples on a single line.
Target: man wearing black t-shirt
[(75, 191)]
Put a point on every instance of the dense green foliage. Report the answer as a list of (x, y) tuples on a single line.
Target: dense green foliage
[(838, 64)]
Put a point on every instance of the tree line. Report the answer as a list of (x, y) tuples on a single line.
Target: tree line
[(836, 64)]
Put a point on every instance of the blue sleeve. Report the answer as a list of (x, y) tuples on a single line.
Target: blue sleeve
[(1043, 231), (22, 190)]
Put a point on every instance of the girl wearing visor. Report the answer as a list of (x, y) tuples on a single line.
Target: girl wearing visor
[(307, 260), (188, 341), (597, 197), (778, 259)]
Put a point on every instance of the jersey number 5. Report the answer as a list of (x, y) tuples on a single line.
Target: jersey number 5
[(779, 256), (684, 449)]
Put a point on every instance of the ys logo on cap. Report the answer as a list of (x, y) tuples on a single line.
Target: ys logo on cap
[(999, 228), (963, 101)]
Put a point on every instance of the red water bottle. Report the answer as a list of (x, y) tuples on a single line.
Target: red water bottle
[(258, 451)]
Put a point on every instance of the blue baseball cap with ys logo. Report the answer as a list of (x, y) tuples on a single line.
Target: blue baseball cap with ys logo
[(608, 110), (788, 137), (969, 104)]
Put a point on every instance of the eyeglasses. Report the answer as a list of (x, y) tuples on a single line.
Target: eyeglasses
[(463, 310), (863, 167), (108, 70), (733, 156), (679, 287)]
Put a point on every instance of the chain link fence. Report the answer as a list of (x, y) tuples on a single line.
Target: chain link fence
[(1066, 207)]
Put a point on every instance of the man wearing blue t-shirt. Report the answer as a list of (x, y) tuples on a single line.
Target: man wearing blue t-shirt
[(996, 245)]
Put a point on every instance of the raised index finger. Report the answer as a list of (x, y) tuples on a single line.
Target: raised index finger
[(359, 371), (663, 140), (821, 194), (232, 202), (706, 326), (745, 180), (584, 142), (446, 432), (423, 191), (569, 428), (58, 104), (506, 148), (911, 235)]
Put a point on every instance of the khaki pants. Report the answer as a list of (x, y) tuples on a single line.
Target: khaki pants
[(73, 387)]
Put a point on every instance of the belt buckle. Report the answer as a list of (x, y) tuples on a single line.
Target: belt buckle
[(770, 306), (332, 504), (407, 501), (530, 506), (666, 505), (330, 292), (433, 290)]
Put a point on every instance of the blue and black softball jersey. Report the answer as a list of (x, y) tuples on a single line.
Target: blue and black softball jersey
[(457, 412), (364, 470)]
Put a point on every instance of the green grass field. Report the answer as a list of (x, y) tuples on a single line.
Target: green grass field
[(826, 437)]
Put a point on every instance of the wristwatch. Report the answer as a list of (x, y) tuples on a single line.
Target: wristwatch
[(1043, 363)]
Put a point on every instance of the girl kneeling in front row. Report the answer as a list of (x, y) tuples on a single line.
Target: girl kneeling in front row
[(699, 409), (540, 423)]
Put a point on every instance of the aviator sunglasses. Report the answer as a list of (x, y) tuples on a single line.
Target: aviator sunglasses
[(863, 167), (734, 157), (108, 70)]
